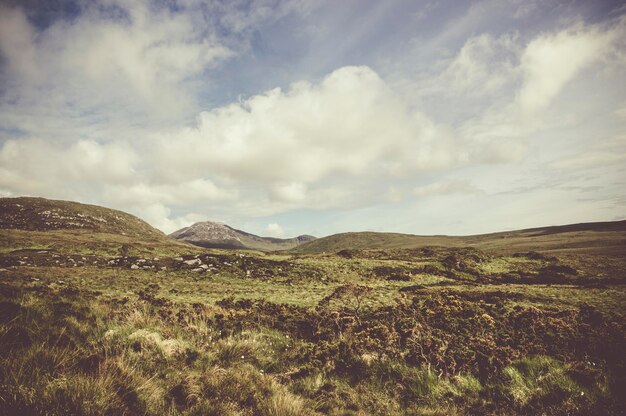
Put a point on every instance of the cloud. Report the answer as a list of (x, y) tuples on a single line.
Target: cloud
[(274, 230), (445, 188), (113, 60), (36, 166), (17, 44), (611, 151), (524, 94), (550, 61), (315, 145), (483, 66), (242, 16), (351, 123), (289, 192), (159, 216), (621, 112)]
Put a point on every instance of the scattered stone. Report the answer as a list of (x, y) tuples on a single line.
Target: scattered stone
[(110, 333), (134, 267)]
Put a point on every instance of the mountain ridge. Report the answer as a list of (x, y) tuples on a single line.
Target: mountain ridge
[(210, 234)]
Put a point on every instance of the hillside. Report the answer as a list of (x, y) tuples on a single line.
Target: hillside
[(605, 237), (66, 226), (215, 235)]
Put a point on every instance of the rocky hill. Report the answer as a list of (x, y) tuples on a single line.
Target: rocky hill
[(40, 214), (216, 235), (71, 226)]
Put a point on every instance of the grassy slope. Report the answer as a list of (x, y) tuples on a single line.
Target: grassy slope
[(598, 237), (71, 227)]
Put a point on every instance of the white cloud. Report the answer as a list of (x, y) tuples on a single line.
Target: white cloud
[(305, 147), (550, 61), (351, 123), (101, 67), (533, 82), (621, 112), (159, 216), (37, 166), (289, 192), (274, 230), (244, 15), (445, 188), (611, 151), (17, 40), (183, 193), (484, 65)]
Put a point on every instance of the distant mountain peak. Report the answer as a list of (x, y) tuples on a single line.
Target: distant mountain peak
[(219, 235)]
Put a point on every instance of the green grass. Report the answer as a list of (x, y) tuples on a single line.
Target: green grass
[(424, 331), (95, 345)]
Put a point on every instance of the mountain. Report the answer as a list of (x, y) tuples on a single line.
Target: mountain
[(216, 235), (72, 226), (605, 237)]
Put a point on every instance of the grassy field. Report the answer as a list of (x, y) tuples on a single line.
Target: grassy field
[(421, 331), (121, 326)]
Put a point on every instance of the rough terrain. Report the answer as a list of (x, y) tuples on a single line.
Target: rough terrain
[(135, 324)]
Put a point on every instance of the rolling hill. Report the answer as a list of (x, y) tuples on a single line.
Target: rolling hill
[(66, 226), (605, 237), (215, 235)]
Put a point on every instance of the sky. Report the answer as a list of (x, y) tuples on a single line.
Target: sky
[(295, 117)]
